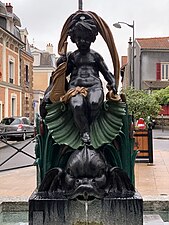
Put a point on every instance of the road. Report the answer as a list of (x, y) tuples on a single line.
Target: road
[(160, 142), (161, 139), (20, 159)]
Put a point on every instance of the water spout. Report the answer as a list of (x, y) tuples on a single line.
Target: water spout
[(86, 212)]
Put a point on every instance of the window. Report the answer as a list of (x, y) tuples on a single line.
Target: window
[(11, 72), (17, 121), (3, 22), (0, 110), (25, 38), (164, 71), (26, 105), (7, 120), (13, 106), (27, 75), (26, 121)]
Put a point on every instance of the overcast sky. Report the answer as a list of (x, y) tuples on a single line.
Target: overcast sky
[(44, 20)]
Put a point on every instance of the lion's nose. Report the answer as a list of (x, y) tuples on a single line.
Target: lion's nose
[(85, 181)]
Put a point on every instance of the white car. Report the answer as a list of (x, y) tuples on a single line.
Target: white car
[(19, 128)]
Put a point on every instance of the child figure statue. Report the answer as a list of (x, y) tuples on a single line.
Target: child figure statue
[(83, 66), (84, 91)]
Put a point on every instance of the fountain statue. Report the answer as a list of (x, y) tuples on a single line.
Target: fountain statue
[(84, 148)]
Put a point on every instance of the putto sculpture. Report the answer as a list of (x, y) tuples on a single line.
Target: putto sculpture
[(92, 119), (84, 145), (85, 91)]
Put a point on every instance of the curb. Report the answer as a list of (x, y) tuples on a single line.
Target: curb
[(162, 138), (14, 207)]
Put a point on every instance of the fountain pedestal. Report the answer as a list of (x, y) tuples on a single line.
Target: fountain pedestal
[(52, 210)]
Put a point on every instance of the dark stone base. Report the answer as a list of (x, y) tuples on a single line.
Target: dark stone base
[(48, 210)]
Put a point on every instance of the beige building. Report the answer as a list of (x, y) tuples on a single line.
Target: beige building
[(44, 64)]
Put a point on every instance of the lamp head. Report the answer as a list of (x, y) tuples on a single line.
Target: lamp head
[(117, 25)]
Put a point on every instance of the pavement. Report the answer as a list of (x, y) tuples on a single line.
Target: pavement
[(151, 180)]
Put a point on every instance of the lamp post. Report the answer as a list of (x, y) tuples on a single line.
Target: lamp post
[(80, 5), (117, 25)]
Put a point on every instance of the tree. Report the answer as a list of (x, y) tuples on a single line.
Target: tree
[(162, 96), (141, 104)]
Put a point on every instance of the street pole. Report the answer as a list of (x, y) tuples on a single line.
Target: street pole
[(80, 5), (117, 25), (133, 57)]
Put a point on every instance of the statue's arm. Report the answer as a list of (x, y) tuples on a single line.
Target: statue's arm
[(109, 77)]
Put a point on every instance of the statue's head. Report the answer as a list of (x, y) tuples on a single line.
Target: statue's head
[(83, 29)]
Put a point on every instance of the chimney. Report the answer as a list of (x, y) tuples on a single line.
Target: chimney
[(9, 7), (49, 48)]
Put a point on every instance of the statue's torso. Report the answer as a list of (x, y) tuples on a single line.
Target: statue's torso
[(85, 71)]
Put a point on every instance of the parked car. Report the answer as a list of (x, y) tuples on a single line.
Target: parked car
[(19, 128), (5, 121)]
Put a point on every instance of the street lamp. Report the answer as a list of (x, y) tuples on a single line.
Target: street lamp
[(117, 25)]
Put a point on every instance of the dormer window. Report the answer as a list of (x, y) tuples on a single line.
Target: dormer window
[(25, 39), (3, 22)]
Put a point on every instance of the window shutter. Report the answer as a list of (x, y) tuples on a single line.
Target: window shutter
[(158, 71)]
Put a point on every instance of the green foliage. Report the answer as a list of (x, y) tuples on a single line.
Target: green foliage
[(141, 104), (162, 96)]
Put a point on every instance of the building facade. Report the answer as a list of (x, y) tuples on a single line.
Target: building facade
[(15, 66), (44, 64), (151, 63)]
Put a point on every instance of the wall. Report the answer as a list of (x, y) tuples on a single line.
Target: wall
[(145, 65), (1, 65), (149, 60), (40, 80), (27, 94)]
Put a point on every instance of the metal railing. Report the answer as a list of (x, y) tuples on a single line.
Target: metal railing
[(6, 143)]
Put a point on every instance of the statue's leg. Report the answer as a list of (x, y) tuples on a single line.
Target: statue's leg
[(95, 99), (78, 106)]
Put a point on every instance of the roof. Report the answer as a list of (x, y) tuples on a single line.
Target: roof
[(3, 10), (46, 59), (156, 84), (153, 43)]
